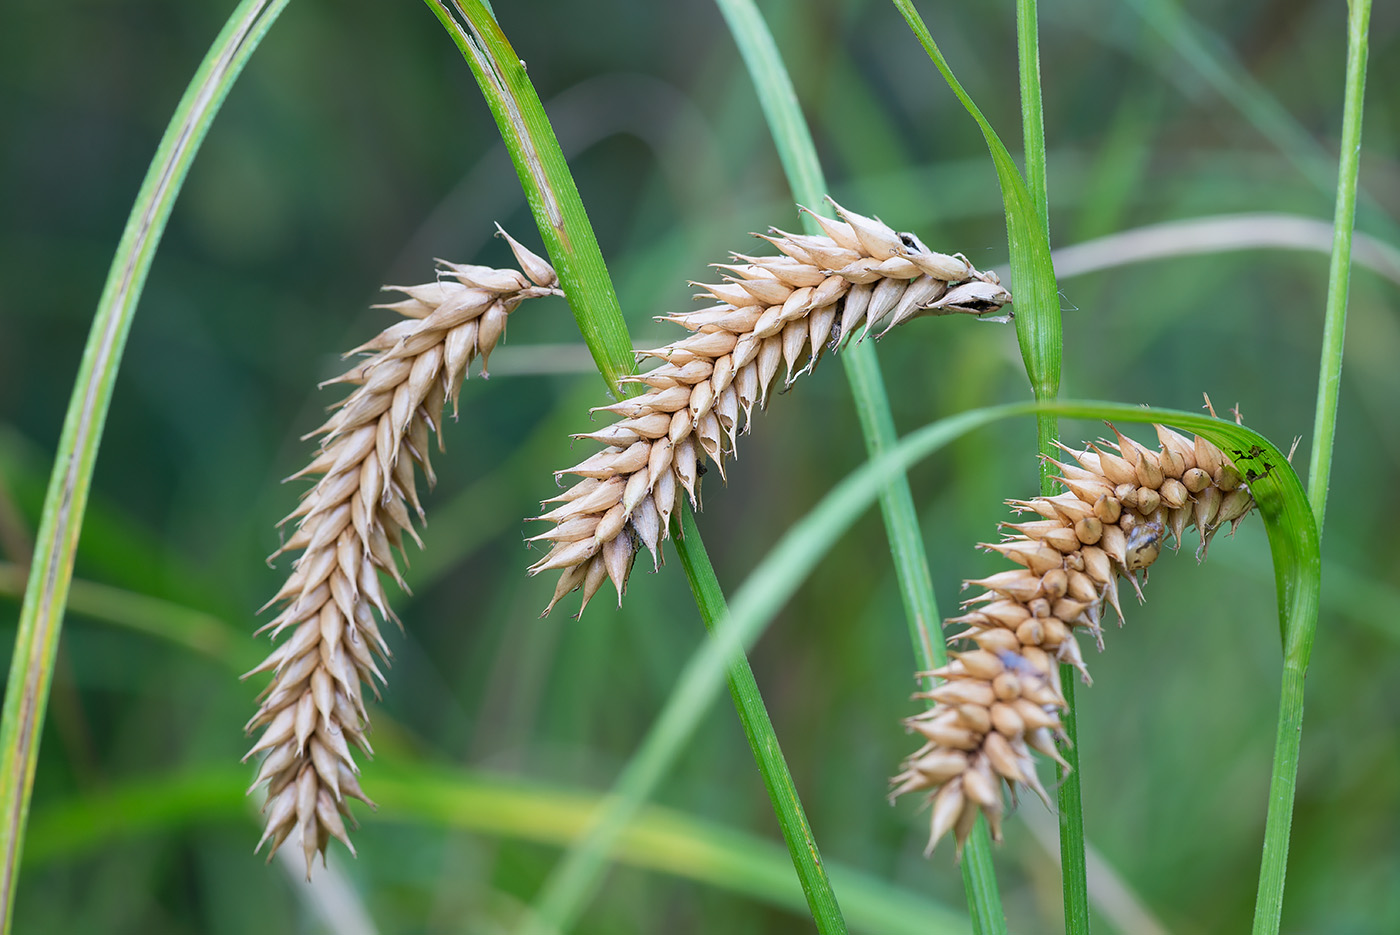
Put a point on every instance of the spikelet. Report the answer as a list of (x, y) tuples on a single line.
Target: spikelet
[(772, 313), (1001, 696), (348, 525)]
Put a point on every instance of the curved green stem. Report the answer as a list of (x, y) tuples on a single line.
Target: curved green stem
[(41, 617)]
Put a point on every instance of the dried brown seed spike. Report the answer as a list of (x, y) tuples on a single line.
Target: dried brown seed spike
[(1114, 520), (774, 314), (348, 524)]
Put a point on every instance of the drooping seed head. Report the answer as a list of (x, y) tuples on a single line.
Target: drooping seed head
[(999, 701), (348, 526), (776, 315)]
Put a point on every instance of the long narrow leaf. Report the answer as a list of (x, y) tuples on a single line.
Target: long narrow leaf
[(549, 186), (1298, 637), (1032, 273), (41, 617)]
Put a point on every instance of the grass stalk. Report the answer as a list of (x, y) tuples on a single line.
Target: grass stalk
[(1298, 640), (1074, 881), (758, 728), (798, 154), (51, 572), (563, 223), (1339, 271)]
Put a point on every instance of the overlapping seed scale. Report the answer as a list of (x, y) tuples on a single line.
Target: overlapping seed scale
[(348, 526), (770, 315), (1001, 694)]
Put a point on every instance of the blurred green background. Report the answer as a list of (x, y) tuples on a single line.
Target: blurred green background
[(356, 148)]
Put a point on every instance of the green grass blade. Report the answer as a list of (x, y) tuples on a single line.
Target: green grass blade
[(41, 616), (758, 728), (1074, 870), (1268, 907), (1032, 274), (569, 239), (798, 154), (1339, 273), (549, 186), (662, 840)]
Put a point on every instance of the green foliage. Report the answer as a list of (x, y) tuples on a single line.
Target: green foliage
[(354, 150)]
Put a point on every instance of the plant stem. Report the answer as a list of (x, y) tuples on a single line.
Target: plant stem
[(1283, 784), (758, 728), (50, 574), (1299, 635), (1339, 273), (1032, 110), (1073, 866)]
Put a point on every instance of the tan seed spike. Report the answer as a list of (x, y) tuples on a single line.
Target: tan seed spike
[(1000, 698), (347, 526), (776, 315)]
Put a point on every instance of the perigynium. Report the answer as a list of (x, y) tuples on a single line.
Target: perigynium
[(347, 527), (772, 313), (1000, 700)]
